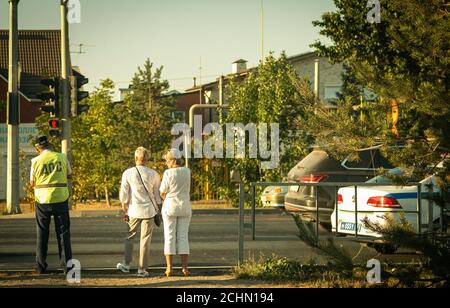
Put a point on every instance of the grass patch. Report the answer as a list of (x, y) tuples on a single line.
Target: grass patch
[(311, 275), (282, 270)]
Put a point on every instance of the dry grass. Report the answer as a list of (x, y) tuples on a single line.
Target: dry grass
[(243, 277), (118, 280), (288, 271)]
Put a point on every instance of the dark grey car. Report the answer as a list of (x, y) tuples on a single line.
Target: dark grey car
[(318, 166)]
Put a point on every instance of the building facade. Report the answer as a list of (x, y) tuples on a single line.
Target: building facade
[(329, 76)]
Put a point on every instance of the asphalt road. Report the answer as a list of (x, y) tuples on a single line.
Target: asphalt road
[(98, 242)]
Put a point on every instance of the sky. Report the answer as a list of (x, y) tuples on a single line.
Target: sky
[(181, 35)]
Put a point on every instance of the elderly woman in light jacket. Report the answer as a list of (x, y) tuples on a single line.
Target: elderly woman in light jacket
[(176, 211)]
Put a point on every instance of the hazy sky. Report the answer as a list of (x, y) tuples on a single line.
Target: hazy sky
[(121, 34)]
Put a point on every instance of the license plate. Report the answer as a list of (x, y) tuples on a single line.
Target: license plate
[(349, 226)]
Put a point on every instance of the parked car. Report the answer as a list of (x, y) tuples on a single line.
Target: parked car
[(319, 166), (374, 203), (273, 196)]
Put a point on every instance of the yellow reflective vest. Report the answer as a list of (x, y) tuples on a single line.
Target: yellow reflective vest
[(50, 174)]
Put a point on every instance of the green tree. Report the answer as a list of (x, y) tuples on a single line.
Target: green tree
[(96, 143), (147, 118), (403, 59), (350, 85), (268, 95)]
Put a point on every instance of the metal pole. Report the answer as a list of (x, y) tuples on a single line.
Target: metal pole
[(241, 224), (419, 209), (66, 143), (191, 122), (221, 90), (12, 178), (356, 211), (253, 212), (316, 77), (336, 208), (221, 99), (317, 210), (187, 150), (262, 31), (316, 83), (430, 208)]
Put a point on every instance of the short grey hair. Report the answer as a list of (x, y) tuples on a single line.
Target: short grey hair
[(141, 155), (173, 155)]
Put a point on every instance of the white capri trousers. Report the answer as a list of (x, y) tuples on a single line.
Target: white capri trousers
[(176, 230)]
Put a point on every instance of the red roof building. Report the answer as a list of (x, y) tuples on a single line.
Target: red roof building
[(39, 57)]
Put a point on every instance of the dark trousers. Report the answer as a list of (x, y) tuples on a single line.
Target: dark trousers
[(60, 213)]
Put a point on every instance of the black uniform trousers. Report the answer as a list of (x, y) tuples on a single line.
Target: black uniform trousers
[(60, 213)]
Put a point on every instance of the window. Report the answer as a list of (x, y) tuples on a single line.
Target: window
[(368, 159), (331, 92)]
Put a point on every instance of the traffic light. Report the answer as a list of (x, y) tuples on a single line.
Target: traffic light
[(76, 83), (51, 97), (55, 127)]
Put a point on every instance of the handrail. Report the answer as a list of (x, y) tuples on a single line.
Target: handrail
[(336, 185), (329, 184)]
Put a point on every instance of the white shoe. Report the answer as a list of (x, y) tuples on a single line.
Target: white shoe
[(123, 268), (143, 274)]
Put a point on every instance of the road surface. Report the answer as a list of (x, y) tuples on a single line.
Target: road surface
[(97, 242)]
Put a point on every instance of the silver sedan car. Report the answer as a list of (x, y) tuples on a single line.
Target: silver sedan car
[(273, 196)]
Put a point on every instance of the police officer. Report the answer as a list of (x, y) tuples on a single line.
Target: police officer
[(49, 174)]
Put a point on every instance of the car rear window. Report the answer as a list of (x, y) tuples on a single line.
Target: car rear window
[(369, 159)]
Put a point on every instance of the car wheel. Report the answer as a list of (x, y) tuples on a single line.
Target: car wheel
[(385, 248)]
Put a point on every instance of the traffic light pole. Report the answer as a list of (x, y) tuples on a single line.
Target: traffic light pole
[(66, 142), (13, 184)]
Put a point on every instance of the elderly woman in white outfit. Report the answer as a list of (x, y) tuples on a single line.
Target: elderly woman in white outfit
[(176, 211)]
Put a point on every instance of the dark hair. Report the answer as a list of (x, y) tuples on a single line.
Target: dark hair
[(41, 142)]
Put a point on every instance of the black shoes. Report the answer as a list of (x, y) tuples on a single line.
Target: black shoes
[(41, 270)]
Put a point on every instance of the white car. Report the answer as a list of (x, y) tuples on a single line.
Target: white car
[(378, 201), (273, 196)]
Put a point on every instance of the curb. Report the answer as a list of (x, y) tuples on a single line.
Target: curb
[(212, 268), (233, 211), (118, 213)]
